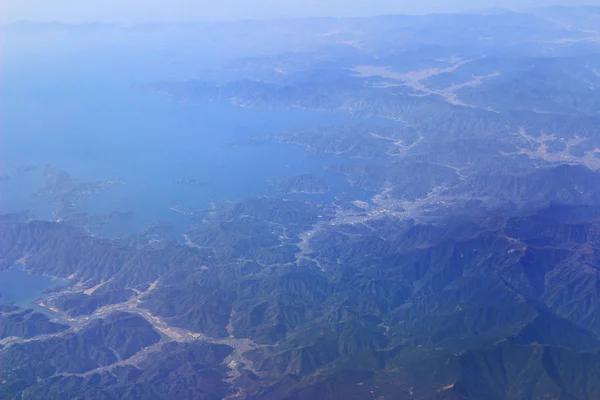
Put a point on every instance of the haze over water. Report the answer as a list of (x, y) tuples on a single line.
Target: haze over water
[(84, 117)]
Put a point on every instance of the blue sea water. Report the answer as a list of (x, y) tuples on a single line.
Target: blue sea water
[(89, 122)]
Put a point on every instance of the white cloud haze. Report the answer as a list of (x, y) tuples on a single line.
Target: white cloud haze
[(185, 10)]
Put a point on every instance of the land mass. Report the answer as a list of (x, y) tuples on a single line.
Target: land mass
[(305, 183)]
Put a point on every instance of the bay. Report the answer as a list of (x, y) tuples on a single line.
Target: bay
[(23, 289), (91, 123)]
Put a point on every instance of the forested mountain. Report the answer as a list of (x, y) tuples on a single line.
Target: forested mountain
[(447, 246)]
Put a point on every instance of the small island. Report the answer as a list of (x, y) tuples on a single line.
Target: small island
[(182, 210), (305, 183)]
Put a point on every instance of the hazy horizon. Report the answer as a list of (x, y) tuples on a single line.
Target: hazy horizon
[(185, 10)]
